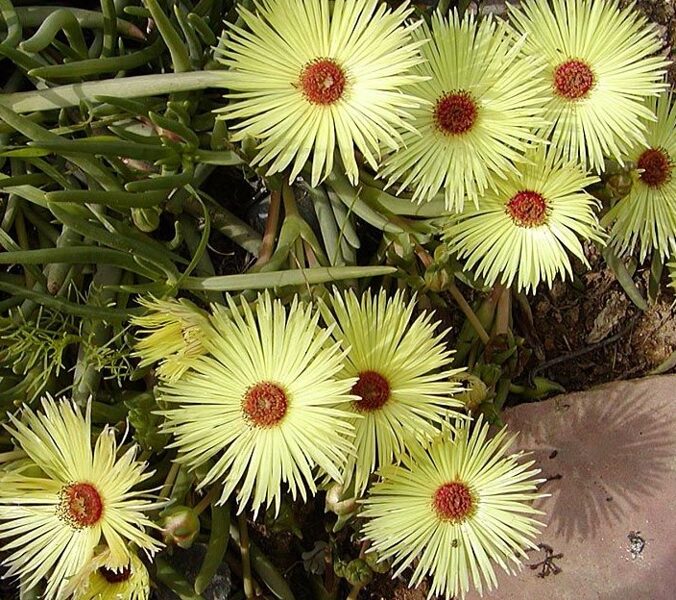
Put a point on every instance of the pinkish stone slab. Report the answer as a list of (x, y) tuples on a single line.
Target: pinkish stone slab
[(610, 457)]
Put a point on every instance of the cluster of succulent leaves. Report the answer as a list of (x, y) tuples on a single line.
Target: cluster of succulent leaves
[(111, 190)]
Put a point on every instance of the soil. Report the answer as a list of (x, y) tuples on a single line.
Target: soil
[(591, 333)]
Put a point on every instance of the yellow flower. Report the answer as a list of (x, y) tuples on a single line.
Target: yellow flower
[(263, 404), (309, 76), (453, 510), (171, 333), (97, 581), (482, 104), (645, 219), (403, 377), (601, 65), (58, 507), (523, 231)]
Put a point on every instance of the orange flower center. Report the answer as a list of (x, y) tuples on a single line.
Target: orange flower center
[(455, 113), (527, 209), (81, 505), (573, 79), (322, 81), (265, 404), (656, 165), (373, 389), (115, 576), (453, 501)]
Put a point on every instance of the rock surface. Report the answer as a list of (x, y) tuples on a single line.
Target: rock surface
[(609, 455)]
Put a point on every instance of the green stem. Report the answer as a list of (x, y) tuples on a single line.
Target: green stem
[(259, 281), (270, 233), (246, 561), (468, 312), (13, 23), (22, 237), (354, 592), (290, 206), (169, 481), (202, 505), (140, 86), (95, 332), (32, 16), (226, 223)]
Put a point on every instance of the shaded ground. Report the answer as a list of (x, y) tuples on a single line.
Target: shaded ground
[(609, 513), (591, 333)]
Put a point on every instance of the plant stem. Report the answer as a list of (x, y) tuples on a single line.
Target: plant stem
[(201, 506), (226, 223), (290, 206), (354, 592), (169, 481), (270, 233), (72, 94), (246, 561), (503, 310), (468, 312), (423, 255), (95, 334)]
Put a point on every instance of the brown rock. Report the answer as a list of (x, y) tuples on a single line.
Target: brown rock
[(610, 458)]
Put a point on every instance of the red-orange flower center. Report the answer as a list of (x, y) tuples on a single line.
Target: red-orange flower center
[(322, 81), (116, 576), (455, 113), (81, 505), (373, 389), (573, 79), (453, 501), (527, 209), (265, 404), (656, 165)]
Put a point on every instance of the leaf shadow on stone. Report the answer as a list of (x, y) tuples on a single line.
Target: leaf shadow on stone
[(602, 457)]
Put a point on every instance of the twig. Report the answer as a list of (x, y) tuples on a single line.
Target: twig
[(582, 351)]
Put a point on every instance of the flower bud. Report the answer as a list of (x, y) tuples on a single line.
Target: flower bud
[(437, 278), (146, 219), (475, 391), (358, 572), (180, 526), (372, 560), (336, 503)]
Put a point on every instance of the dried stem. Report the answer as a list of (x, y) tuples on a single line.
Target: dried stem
[(503, 309)]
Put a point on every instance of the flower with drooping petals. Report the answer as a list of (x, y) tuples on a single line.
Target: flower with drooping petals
[(311, 76), (524, 230), (601, 65), (263, 404), (646, 217), (484, 102), (57, 506), (403, 377), (171, 334), (453, 510), (97, 581)]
